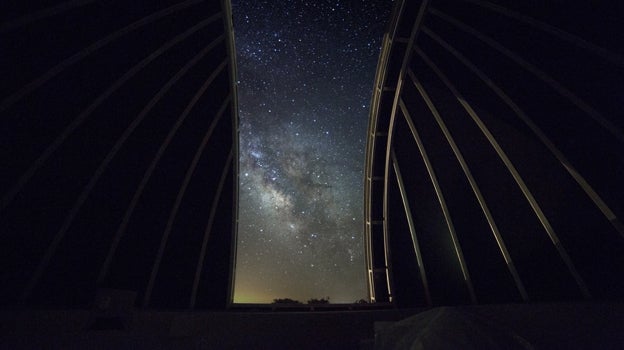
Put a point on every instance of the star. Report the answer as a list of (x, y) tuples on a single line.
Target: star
[(302, 67)]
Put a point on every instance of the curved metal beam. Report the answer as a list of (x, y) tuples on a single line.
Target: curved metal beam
[(61, 66), (516, 175), (473, 183), (150, 170), (557, 32), (567, 165), (47, 153), (59, 140), (412, 228), (213, 212), (422, 10), (190, 171), (547, 79), (441, 200), (86, 191), (41, 14)]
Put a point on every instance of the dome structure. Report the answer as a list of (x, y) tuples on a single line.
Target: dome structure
[(493, 175), (494, 161), (493, 164), (118, 128)]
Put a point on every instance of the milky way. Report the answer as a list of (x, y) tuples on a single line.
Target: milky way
[(305, 77)]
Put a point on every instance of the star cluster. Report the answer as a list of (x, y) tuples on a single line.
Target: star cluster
[(306, 71)]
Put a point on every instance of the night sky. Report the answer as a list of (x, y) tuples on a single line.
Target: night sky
[(305, 78)]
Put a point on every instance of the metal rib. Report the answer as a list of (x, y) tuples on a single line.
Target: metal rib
[(150, 169), (69, 219), (559, 33), (380, 77), (54, 71), (83, 196), (95, 104), (514, 172), (397, 95), (470, 178), (229, 28), (208, 230), (441, 200), (41, 14), (550, 81), (412, 228), (176, 205), (567, 165)]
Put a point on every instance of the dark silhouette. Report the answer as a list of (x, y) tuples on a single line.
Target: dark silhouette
[(315, 301), (286, 301)]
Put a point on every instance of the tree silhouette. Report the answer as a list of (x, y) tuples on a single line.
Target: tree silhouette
[(286, 301), (315, 301)]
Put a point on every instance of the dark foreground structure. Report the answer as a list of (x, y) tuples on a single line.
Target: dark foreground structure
[(493, 180), (495, 163), (118, 145)]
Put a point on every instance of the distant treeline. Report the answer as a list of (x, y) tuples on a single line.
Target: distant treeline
[(312, 301)]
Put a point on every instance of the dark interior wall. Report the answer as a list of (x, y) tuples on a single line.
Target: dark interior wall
[(117, 151), (502, 122)]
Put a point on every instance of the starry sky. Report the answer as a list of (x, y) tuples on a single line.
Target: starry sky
[(305, 78)]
